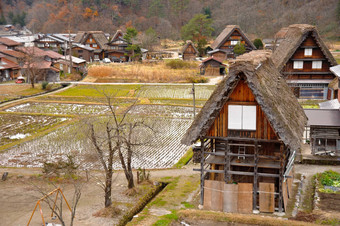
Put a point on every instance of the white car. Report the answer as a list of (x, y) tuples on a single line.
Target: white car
[(106, 60)]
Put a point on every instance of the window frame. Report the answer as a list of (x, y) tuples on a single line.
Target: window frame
[(314, 64), (242, 117), (307, 50), (296, 64)]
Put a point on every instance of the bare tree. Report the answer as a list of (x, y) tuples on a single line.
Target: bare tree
[(32, 64), (117, 134)]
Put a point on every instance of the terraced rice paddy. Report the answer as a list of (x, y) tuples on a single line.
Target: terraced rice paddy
[(163, 151), (15, 127), (168, 108), (59, 108)]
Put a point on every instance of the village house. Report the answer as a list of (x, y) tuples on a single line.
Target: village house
[(78, 65), (304, 61), (212, 66), (225, 42), (82, 52), (41, 63), (50, 42), (323, 131), (189, 51), (94, 39), (249, 131), (8, 43), (9, 70), (117, 48)]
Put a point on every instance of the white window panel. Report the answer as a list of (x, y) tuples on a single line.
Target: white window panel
[(317, 64), (298, 64), (234, 116), (249, 117), (233, 43), (308, 52), (94, 45)]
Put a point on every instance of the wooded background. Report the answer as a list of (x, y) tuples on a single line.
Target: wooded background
[(258, 18)]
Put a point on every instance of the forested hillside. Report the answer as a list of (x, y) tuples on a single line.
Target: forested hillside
[(258, 18)]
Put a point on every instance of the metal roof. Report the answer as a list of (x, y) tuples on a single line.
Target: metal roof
[(331, 104), (323, 117), (335, 70)]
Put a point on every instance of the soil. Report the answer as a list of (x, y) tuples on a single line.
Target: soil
[(18, 197)]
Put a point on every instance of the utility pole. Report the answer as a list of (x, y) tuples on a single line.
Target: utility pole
[(193, 98)]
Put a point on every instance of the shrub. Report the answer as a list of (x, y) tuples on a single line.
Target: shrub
[(178, 64), (197, 79), (330, 178), (239, 49), (258, 43), (67, 168), (44, 85)]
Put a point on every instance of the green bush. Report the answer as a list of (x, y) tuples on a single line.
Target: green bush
[(44, 85), (179, 64), (330, 178), (239, 49), (197, 79), (258, 43)]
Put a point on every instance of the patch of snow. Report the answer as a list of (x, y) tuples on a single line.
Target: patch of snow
[(19, 136)]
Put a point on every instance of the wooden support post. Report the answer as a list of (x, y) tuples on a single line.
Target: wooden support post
[(202, 171), (227, 176), (281, 177), (256, 160)]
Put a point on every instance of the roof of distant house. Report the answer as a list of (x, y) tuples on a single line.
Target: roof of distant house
[(9, 42), (323, 117), (226, 33), (293, 38)]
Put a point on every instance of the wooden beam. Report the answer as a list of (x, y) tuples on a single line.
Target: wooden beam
[(202, 171), (256, 158)]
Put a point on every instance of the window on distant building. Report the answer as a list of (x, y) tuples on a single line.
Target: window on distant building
[(317, 64), (53, 45), (241, 117), (40, 45), (90, 39), (298, 64), (308, 52), (233, 43), (94, 45), (88, 45)]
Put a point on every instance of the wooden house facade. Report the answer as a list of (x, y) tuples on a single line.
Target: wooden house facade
[(248, 138), (324, 126), (189, 51), (117, 49), (212, 67), (49, 42), (82, 52), (94, 39), (228, 38), (304, 61), (9, 70)]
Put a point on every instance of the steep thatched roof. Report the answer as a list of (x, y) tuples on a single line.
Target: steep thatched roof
[(98, 36), (334, 84), (189, 42), (225, 34), (293, 38), (117, 34), (271, 92)]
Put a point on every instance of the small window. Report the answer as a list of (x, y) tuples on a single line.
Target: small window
[(94, 45), (90, 39), (298, 64), (80, 51), (317, 64), (40, 45), (96, 56), (308, 52), (61, 67), (241, 117), (88, 45), (233, 43)]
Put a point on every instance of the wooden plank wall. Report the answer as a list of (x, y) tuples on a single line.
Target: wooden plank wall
[(213, 195), (230, 198), (242, 95), (267, 202), (245, 198)]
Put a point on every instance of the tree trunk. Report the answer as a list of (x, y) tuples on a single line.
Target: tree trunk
[(129, 177), (108, 184)]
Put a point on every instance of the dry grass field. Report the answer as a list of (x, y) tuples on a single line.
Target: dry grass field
[(137, 72)]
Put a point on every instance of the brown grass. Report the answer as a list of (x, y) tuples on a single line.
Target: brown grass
[(239, 218), (138, 72), (110, 212)]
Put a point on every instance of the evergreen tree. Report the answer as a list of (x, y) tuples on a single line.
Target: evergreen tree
[(258, 43), (239, 49)]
